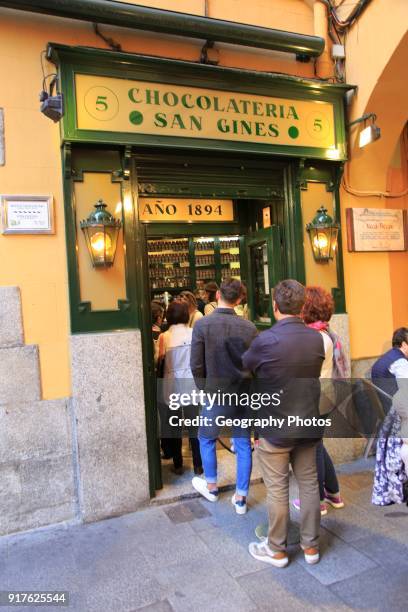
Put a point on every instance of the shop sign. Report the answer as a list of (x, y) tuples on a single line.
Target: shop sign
[(119, 105), (185, 210), (376, 229), (27, 214)]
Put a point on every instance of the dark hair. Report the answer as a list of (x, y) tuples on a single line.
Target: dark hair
[(289, 296), (157, 311), (318, 306), (177, 312), (211, 288), (399, 336), (231, 290), (189, 297)]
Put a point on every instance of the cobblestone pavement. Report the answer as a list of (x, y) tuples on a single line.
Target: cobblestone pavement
[(192, 555)]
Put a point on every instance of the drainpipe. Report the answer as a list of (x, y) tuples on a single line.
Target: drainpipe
[(137, 17), (324, 65)]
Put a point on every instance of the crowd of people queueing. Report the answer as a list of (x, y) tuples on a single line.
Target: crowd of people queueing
[(215, 339)]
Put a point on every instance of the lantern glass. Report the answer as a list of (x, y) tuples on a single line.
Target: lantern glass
[(323, 233), (101, 232)]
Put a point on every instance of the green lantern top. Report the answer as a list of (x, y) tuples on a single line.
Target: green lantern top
[(322, 220), (100, 216)]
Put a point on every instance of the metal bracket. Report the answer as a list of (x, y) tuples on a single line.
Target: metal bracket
[(67, 156), (300, 181)]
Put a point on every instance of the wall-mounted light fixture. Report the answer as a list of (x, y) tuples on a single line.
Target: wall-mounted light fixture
[(323, 233), (369, 133), (101, 232)]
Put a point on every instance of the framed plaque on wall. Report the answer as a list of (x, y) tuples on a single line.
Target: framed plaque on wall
[(376, 229), (27, 214)]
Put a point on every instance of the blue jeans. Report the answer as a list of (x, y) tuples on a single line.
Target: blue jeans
[(241, 439)]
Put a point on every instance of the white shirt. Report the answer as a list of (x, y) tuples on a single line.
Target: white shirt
[(399, 368)]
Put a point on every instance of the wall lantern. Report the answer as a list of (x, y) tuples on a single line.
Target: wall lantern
[(323, 233), (101, 232), (370, 133)]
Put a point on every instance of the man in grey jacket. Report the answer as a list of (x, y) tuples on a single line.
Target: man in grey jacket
[(219, 339)]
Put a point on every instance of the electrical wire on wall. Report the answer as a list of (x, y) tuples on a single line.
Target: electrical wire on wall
[(337, 30), (379, 194)]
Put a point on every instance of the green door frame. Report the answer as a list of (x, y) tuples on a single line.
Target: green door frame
[(271, 236)]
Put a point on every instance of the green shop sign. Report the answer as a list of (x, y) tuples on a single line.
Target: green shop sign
[(148, 101)]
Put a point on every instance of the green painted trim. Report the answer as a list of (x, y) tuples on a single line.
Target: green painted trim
[(293, 231), (83, 318), (71, 60), (271, 236), (311, 171)]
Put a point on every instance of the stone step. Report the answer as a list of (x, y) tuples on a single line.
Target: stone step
[(19, 374), (11, 321)]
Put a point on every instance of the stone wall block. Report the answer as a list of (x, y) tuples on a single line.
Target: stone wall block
[(11, 321), (37, 484), (340, 324), (108, 399), (19, 375)]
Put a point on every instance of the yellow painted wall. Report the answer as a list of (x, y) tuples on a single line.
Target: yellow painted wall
[(38, 263), (376, 283)]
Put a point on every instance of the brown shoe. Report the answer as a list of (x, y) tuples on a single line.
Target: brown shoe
[(312, 555)]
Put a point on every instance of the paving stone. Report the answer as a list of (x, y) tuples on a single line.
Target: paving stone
[(231, 550), (45, 562), (11, 320), (353, 523), (384, 550), (145, 528), (207, 587), (375, 590), (175, 550), (339, 560), (114, 574), (289, 590)]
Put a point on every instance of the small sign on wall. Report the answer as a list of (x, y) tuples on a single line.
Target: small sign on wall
[(185, 210), (27, 214), (376, 229)]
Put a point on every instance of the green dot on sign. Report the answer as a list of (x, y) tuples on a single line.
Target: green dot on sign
[(136, 118), (293, 131)]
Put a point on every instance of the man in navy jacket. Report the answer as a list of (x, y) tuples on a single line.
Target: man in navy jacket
[(289, 357)]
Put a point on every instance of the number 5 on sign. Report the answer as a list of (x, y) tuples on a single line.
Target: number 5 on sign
[(101, 103), (318, 126)]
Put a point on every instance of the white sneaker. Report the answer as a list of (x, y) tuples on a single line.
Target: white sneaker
[(312, 555), (200, 485), (262, 552), (240, 505)]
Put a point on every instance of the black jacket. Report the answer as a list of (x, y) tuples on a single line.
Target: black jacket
[(217, 338), (287, 358)]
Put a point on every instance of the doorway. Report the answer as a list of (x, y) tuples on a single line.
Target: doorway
[(184, 256)]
